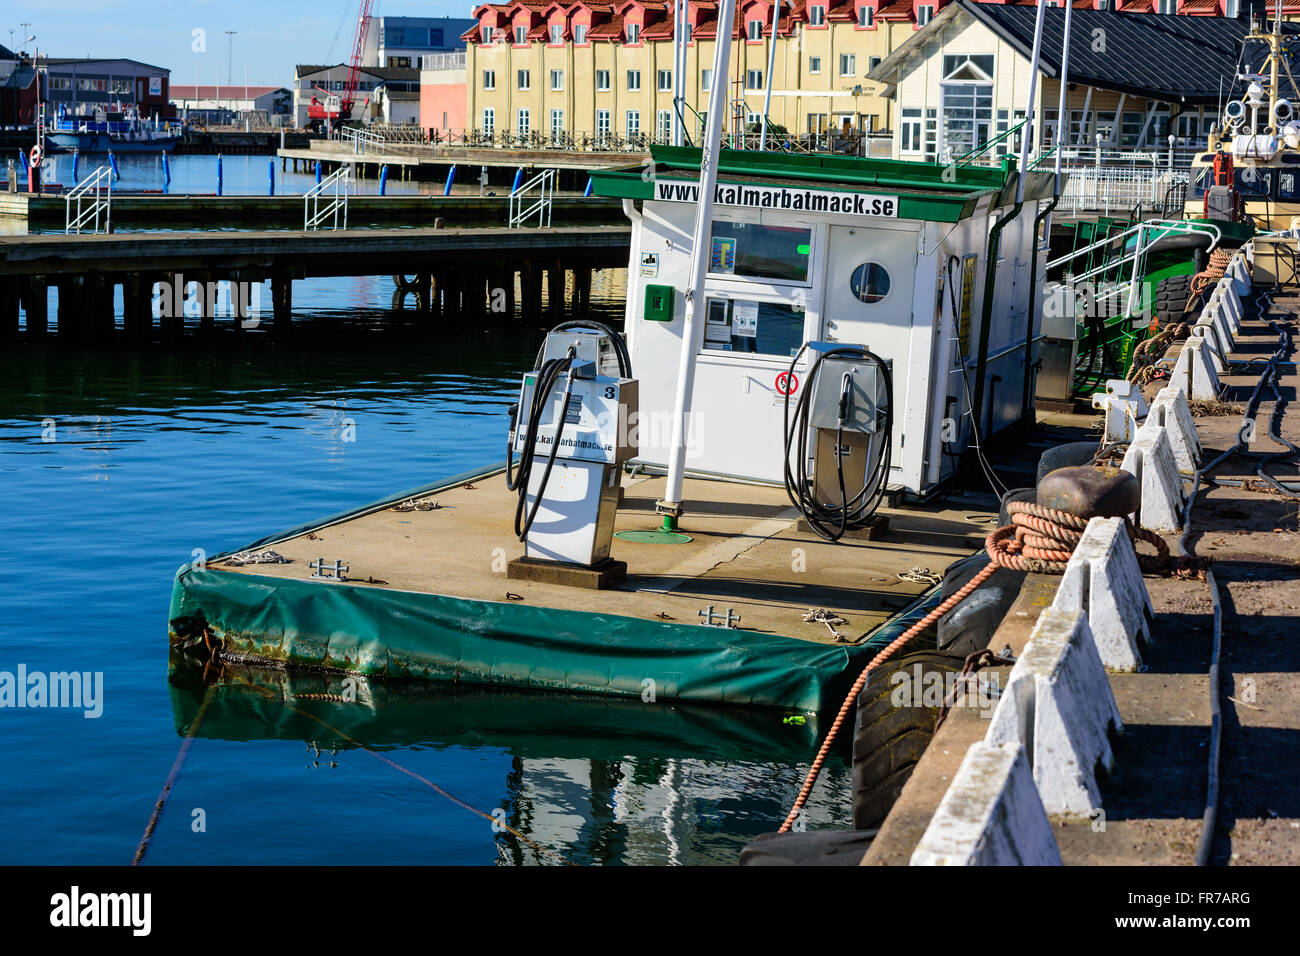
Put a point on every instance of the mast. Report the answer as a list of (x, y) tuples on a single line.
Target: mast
[(671, 505)]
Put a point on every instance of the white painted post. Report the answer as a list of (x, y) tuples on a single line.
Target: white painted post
[(691, 329), (771, 64)]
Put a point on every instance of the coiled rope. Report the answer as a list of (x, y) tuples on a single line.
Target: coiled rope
[(1039, 540)]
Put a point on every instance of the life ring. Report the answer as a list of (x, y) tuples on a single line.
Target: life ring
[(36, 155)]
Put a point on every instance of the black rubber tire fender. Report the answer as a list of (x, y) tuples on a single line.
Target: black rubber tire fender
[(888, 740)]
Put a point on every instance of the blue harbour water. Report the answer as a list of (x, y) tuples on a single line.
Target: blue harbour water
[(117, 463)]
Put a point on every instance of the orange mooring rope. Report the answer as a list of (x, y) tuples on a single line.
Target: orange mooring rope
[(1039, 540)]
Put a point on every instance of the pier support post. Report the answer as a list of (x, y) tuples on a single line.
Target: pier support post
[(36, 303), (582, 290), (424, 292), (532, 291), (207, 296), (555, 289), (508, 277), (137, 307), (281, 299), (173, 318), (9, 307), (98, 303), (70, 316)]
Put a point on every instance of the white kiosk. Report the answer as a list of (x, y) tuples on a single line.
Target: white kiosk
[(891, 255)]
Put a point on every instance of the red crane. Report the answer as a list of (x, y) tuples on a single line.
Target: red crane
[(336, 107)]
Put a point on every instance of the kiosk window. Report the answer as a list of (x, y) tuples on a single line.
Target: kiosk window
[(760, 328), (869, 282), (760, 252)]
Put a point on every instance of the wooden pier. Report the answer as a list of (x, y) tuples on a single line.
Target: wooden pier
[(178, 210), (462, 272)]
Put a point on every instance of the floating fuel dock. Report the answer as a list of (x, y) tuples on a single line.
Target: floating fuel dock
[(932, 272)]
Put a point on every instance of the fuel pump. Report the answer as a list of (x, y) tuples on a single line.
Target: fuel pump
[(570, 432), (846, 407)]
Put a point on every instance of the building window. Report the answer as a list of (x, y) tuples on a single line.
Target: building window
[(633, 124), (814, 64), (633, 33), (633, 80), (924, 15), (848, 64), (1167, 7), (753, 79), (866, 17), (664, 126), (909, 132), (522, 122), (557, 125), (487, 34), (557, 80), (524, 80), (817, 16), (706, 80), (602, 81), (602, 126), (580, 34), (557, 33), (872, 63), (489, 121), (664, 79), (521, 35), (755, 30), (489, 79)]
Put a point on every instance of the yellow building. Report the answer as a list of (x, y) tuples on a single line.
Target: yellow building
[(555, 73)]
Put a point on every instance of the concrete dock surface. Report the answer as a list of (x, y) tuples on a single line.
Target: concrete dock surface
[(1154, 799)]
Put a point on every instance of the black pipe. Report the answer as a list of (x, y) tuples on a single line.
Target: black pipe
[(990, 278), (1026, 402)]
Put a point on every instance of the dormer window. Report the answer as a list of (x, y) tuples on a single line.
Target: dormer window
[(521, 36), (557, 34), (633, 32), (866, 16), (487, 34), (580, 34), (755, 30), (924, 15), (1168, 7), (817, 16)]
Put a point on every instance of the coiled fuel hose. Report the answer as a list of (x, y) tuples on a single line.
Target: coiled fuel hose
[(831, 521), (518, 478)]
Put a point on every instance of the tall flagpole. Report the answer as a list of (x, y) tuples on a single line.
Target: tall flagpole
[(1027, 133), (771, 65), (671, 505)]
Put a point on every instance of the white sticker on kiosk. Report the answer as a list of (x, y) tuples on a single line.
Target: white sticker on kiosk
[(744, 320), (650, 265)]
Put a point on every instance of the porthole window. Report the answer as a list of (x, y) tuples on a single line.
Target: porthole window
[(870, 282)]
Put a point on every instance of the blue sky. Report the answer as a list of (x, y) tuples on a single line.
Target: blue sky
[(270, 35)]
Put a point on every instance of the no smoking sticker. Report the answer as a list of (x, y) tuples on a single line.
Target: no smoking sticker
[(787, 383)]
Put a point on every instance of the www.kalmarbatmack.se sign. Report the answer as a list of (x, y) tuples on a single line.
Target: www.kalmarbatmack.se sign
[(784, 198)]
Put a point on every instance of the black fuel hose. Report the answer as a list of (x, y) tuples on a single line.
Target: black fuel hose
[(518, 477), (831, 521)]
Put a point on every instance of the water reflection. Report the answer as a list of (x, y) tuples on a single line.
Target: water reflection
[(589, 780)]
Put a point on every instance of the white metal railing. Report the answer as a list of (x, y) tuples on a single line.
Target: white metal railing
[(523, 207), (1106, 189), (326, 200), (1124, 295), (360, 138), (97, 189)]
